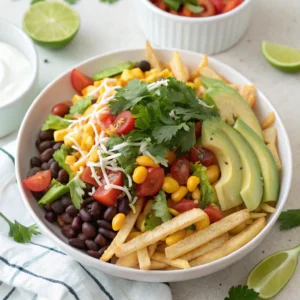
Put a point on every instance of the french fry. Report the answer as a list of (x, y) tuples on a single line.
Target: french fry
[(161, 248), (128, 261), (206, 247), (152, 58), (196, 72), (124, 231), (233, 244), (268, 208), (151, 249), (269, 120), (177, 263), (179, 70), (152, 236), (207, 234), (210, 73), (270, 135), (274, 152), (157, 265), (144, 259), (257, 215), (248, 92)]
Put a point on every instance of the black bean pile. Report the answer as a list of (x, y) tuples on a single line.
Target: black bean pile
[(89, 228)]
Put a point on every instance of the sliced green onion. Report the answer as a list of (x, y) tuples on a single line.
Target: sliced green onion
[(194, 8)]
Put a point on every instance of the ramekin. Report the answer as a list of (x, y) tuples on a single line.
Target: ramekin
[(208, 35)]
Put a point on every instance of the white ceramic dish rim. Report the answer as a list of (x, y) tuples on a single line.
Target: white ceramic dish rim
[(34, 65), (199, 19), (162, 275)]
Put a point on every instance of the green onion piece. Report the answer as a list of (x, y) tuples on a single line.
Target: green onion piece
[(194, 8)]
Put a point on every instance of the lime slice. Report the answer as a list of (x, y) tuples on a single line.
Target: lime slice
[(51, 24), (282, 57), (273, 273)]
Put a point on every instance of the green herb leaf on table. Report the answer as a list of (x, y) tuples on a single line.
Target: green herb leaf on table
[(151, 221), (160, 207), (60, 157), (55, 123), (289, 219), (242, 293), (76, 186), (20, 233)]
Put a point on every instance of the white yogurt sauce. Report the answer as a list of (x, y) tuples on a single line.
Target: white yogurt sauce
[(14, 73)]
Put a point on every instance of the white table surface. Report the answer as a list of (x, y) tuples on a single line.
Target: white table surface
[(105, 28)]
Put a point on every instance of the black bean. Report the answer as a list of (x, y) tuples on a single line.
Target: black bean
[(100, 240), (77, 243), (66, 218), (110, 213), (37, 195), (93, 253), (144, 65), (44, 166), (46, 135), (123, 206), (47, 207), (45, 145), (101, 251), (50, 216), (72, 210), (62, 176), (77, 223), (96, 209), (58, 207), (85, 215), (88, 201), (51, 161), (91, 245), (104, 224), (81, 236), (37, 143), (46, 155), (89, 230), (107, 233), (54, 168), (35, 162), (66, 200), (33, 171), (56, 146), (68, 231)]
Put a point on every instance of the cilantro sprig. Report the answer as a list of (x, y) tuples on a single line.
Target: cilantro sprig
[(242, 293), (289, 219)]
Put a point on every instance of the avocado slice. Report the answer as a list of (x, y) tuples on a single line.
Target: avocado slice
[(231, 104), (112, 71), (266, 160), (229, 186), (252, 186)]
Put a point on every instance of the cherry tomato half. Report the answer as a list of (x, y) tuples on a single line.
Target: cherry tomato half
[(198, 128), (124, 122), (219, 5), (185, 205), (38, 182), (60, 109), (180, 170), (80, 81), (203, 155), (106, 120), (214, 213), (230, 5), (110, 196), (152, 184), (86, 176)]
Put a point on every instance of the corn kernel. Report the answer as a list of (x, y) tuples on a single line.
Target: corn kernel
[(203, 223), (170, 157), (94, 157), (88, 111), (175, 237), (68, 141), (173, 212), (80, 163), (77, 155), (191, 84), (70, 159), (59, 135), (166, 73), (97, 83), (170, 185), (179, 194), (197, 82), (88, 129), (139, 174), (137, 73), (87, 90), (126, 76), (146, 161), (76, 98), (192, 183), (133, 235), (213, 173), (196, 194), (151, 78), (151, 72), (118, 221)]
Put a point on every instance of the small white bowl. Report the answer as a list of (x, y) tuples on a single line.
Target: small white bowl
[(208, 35), (60, 90), (12, 112)]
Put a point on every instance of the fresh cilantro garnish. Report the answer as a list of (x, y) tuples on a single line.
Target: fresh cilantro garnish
[(76, 187), (160, 207), (151, 221), (20, 233), (55, 123), (158, 152), (60, 157), (164, 133), (81, 105), (289, 219), (207, 192), (242, 293)]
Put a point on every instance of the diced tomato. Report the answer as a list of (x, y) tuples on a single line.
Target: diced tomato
[(185, 205), (110, 196), (86, 176), (214, 213), (152, 184), (38, 182), (202, 155), (219, 5), (180, 170), (209, 9), (232, 4), (60, 109), (198, 128), (124, 122), (80, 81)]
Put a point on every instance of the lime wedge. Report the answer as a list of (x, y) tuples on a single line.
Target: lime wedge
[(51, 24), (282, 57), (273, 273)]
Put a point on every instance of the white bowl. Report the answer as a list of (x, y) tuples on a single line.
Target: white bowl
[(61, 89), (12, 112), (208, 35)]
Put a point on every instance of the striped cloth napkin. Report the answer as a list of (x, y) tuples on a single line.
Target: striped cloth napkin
[(40, 271)]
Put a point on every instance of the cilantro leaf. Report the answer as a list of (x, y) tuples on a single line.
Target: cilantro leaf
[(207, 192), (160, 207), (151, 221), (81, 105), (242, 293), (164, 133), (76, 187), (55, 123), (158, 152), (289, 219), (185, 140), (60, 157), (20, 233)]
